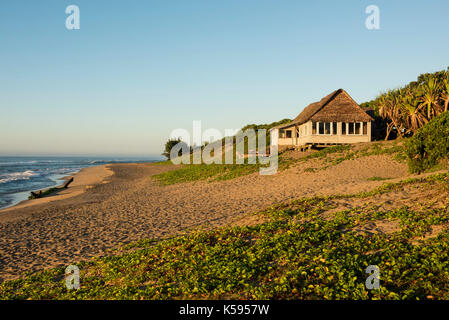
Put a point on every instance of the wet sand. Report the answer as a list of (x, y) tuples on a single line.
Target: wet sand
[(106, 210), (85, 179)]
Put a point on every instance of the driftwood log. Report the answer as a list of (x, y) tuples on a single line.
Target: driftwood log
[(66, 184), (36, 195), (40, 194)]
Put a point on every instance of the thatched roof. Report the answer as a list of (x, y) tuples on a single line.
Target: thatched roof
[(335, 107)]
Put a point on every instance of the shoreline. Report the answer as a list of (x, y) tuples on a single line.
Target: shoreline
[(59, 182), (83, 180)]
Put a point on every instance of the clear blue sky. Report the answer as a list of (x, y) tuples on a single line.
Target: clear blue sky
[(138, 69)]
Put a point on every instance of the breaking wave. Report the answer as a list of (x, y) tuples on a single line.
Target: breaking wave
[(14, 176)]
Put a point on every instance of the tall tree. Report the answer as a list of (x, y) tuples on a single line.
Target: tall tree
[(445, 92), (414, 118), (430, 97), (173, 142)]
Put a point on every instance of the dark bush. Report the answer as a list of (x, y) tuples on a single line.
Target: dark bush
[(429, 145), (173, 142)]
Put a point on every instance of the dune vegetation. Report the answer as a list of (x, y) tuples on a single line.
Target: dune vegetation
[(430, 145), (329, 156), (309, 248)]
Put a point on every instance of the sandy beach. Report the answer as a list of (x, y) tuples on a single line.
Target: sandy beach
[(114, 204), (85, 179)]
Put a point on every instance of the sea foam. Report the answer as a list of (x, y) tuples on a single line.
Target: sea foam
[(25, 175)]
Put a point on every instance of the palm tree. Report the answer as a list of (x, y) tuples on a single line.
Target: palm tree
[(409, 108), (389, 108), (396, 115), (383, 108), (430, 97), (384, 112), (445, 92), (414, 118)]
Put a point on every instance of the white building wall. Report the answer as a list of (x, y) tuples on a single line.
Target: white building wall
[(306, 136)]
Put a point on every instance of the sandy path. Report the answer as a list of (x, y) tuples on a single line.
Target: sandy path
[(133, 206)]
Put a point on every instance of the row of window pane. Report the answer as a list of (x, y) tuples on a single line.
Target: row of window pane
[(325, 128), (285, 133), (354, 128), (346, 128)]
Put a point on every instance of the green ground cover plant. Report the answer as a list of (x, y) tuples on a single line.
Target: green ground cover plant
[(212, 172), (395, 150), (378, 179), (295, 254)]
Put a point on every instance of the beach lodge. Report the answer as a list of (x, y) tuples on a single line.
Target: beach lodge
[(335, 119)]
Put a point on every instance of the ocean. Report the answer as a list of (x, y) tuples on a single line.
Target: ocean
[(21, 175)]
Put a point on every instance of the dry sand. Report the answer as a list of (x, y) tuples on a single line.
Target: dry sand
[(90, 221)]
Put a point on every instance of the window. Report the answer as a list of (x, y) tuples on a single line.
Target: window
[(289, 133), (313, 127), (327, 128), (354, 128), (297, 132), (357, 127), (351, 128), (281, 133), (334, 128), (365, 128), (320, 127), (343, 128)]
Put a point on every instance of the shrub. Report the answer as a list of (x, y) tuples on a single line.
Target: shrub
[(429, 145), (171, 143)]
